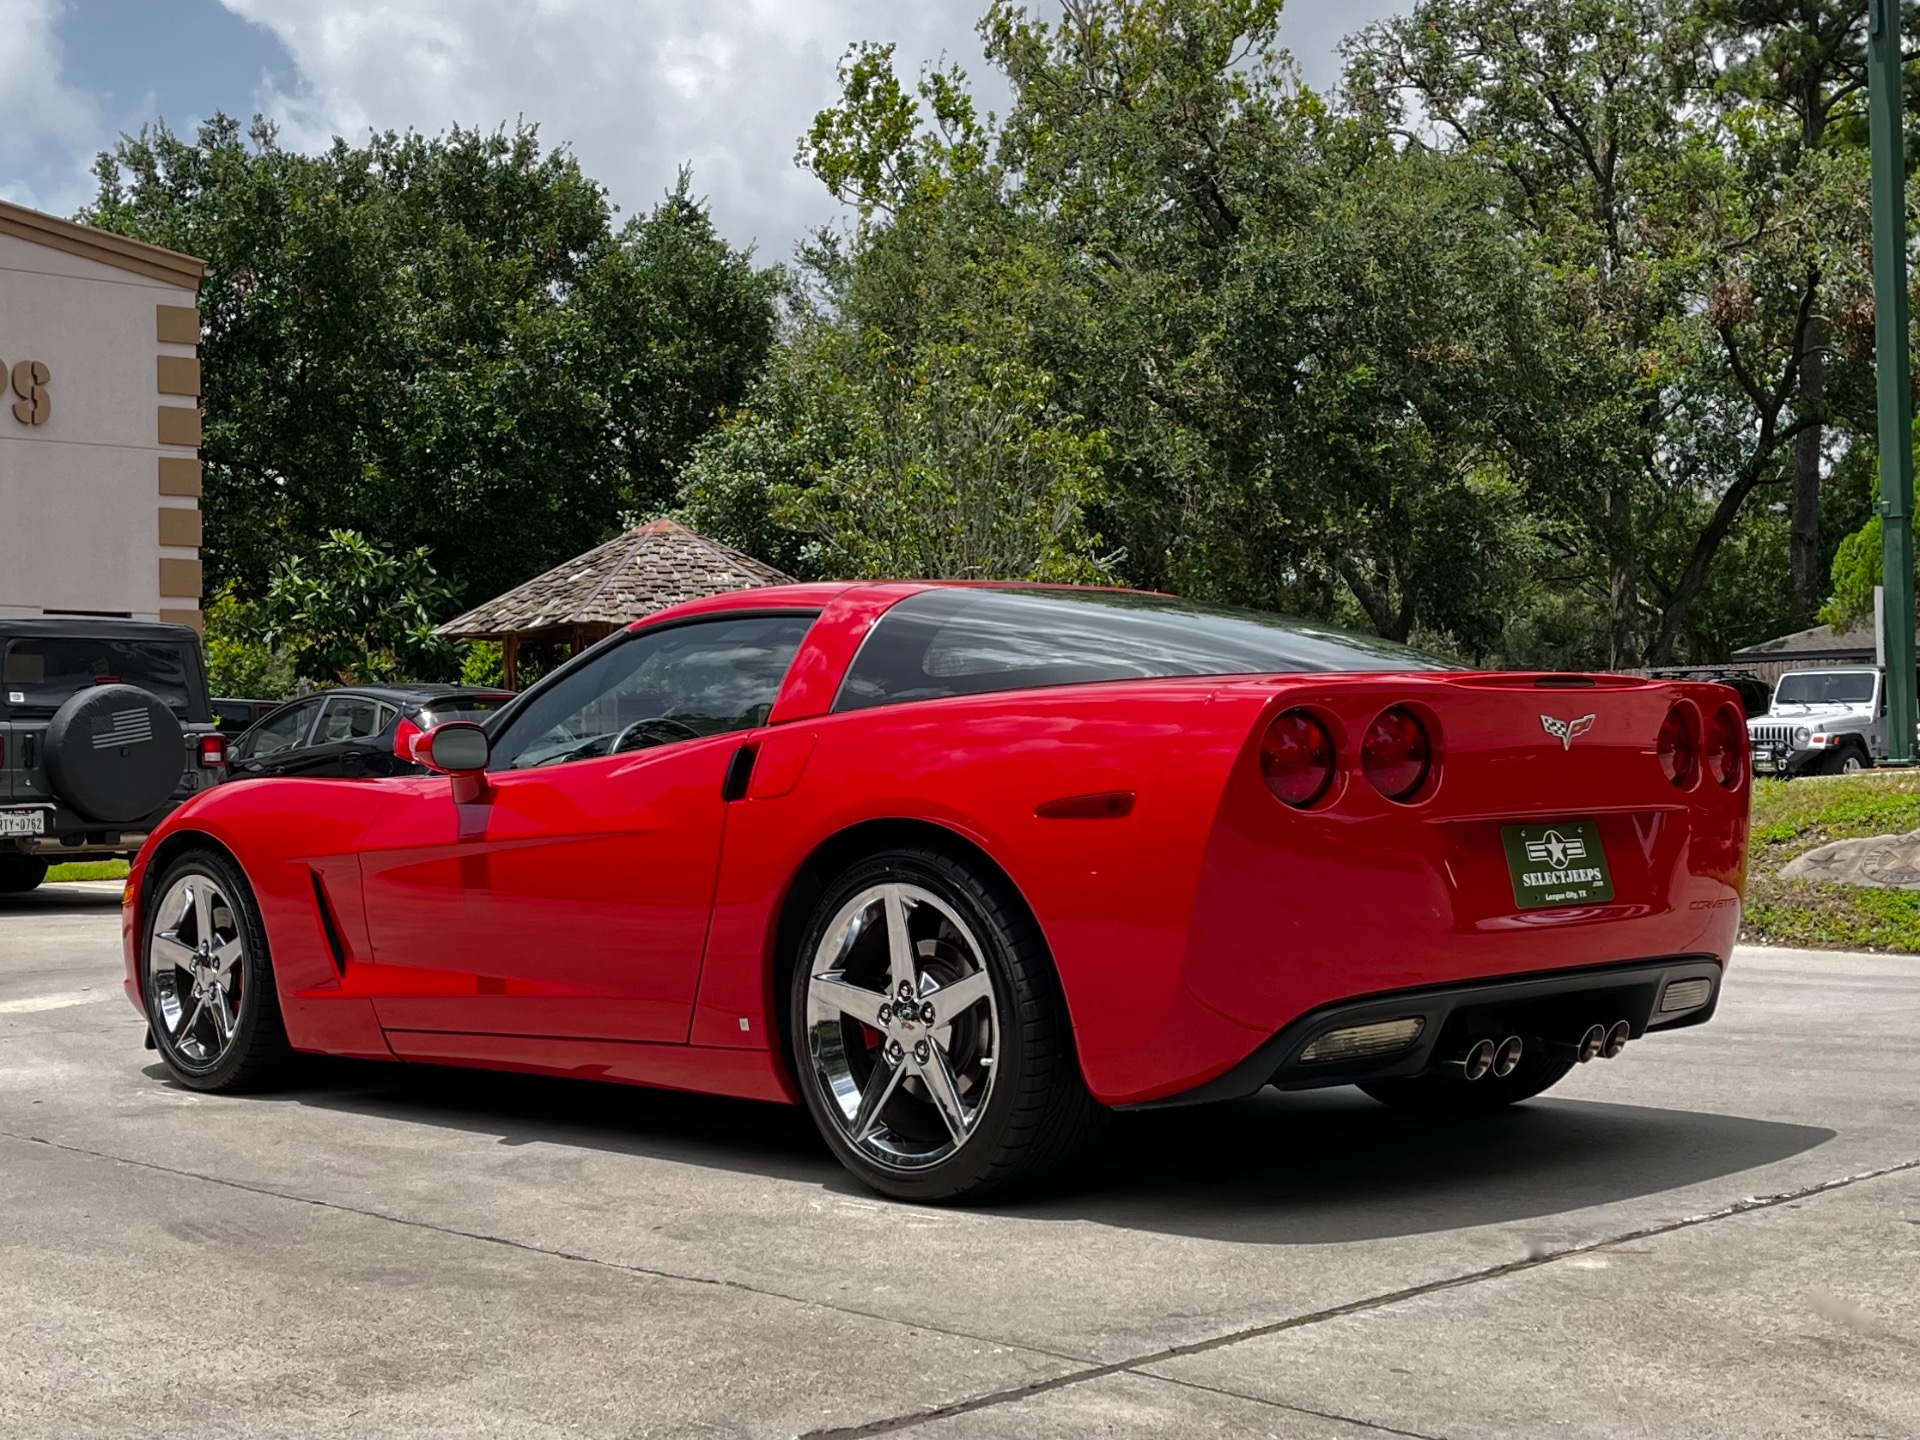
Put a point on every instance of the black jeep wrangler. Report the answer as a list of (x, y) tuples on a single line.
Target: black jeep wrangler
[(105, 727)]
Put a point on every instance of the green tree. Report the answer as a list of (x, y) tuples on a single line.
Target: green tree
[(354, 613), (1169, 310), (239, 663), (1683, 269), (440, 340)]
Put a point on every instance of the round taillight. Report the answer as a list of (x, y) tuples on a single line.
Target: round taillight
[(1675, 748), (1397, 753), (1727, 747), (1296, 757)]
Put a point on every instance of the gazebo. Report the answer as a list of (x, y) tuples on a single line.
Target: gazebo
[(648, 568)]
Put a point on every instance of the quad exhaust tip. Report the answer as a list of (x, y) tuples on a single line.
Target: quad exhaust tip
[(1479, 1059), (1506, 1059), (1591, 1044), (1487, 1057), (1617, 1038)]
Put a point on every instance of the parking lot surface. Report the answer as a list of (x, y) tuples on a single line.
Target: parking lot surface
[(1717, 1234)]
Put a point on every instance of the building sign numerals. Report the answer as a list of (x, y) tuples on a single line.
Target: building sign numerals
[(30, 381)]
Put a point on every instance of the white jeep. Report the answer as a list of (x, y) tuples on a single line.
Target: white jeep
[(1822, 722)]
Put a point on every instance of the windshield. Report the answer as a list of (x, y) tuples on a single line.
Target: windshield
[(1830, 687), (39, 675), (957, 641), (461, 707)]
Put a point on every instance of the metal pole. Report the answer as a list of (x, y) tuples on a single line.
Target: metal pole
[(1885, 111)]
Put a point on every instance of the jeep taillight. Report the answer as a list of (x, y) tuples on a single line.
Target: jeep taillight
[(1296, 757), (213, 751), (1727, 747), (1675, 748)]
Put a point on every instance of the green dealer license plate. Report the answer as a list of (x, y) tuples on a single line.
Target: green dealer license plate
[(1558, 864)]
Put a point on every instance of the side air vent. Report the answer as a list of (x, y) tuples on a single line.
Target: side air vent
[(329, 926)]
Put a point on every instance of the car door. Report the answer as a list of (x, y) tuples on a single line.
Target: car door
[(266, 748), (344, 742), (572, 898)]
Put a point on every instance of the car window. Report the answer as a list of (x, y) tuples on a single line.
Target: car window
[(972, 642), (1834, 687), (678, 683), (351, 717), (462, 707), (284, 730), (39, 674)]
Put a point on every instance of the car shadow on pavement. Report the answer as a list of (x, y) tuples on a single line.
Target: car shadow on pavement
[(1297, 1169), (1332, 1166), (54, 899)]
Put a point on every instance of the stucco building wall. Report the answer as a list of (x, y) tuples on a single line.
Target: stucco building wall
[(100, 474)]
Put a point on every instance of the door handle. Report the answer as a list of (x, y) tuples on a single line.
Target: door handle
[(739, 773)]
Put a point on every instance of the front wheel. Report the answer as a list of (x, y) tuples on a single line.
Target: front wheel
[(1450, 1094), (1849, 761), (930, 1034), (208, 979)]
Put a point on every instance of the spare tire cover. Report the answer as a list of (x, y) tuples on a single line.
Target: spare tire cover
[(114, 753)]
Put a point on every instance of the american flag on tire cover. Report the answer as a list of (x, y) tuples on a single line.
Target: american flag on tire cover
[(123, 727)]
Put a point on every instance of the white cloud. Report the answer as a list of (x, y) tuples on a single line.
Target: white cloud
[(44, 124), (636, 87), (639, 87)]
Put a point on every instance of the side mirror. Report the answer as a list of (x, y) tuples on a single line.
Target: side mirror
[(459, 749)]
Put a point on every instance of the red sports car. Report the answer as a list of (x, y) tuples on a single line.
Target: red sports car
[(961, 867)]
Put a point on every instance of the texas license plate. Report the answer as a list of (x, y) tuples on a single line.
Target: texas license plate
[(23, 822), (1558, 864)]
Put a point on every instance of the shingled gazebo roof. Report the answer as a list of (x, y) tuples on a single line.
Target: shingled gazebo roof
[(649, 568)]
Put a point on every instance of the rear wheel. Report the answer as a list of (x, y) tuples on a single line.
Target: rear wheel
[(208, 979), (1450, 1094), (930, 1034), (20, 873)]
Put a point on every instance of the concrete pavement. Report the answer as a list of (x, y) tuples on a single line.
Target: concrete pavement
[(1717, 1234)]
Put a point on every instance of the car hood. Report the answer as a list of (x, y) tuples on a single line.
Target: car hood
[(1811, 712)]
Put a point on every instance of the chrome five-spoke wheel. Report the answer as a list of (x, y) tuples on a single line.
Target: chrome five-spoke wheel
[(903, 1030), (197, 972)]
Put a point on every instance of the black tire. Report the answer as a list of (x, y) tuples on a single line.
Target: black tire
[(1037, 1115), (21, 873), (258, 1054), (1847, 760), (1451, 1094)]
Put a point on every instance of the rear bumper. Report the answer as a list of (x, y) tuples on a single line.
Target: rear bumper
[(69, 835), (1551, 1008)]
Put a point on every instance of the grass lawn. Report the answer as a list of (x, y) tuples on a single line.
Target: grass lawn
[(1793, 817), (88, 870)]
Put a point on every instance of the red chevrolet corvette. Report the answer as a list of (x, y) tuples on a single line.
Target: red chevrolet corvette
[(961, 867)]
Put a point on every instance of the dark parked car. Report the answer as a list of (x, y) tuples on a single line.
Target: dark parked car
[(363, 730), (105, 728), (235, 716)]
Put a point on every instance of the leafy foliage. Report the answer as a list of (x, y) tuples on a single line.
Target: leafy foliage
[(1510, 345), (239, 663), (353, 613), (441, 341)]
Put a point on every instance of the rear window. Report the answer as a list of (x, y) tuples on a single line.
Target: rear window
[(461, 707), (39, 674), (948, 642)]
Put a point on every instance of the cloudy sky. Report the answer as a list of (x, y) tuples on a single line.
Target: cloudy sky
[(637, 87)]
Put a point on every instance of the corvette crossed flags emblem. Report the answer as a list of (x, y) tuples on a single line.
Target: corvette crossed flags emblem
[(1566, 731)]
